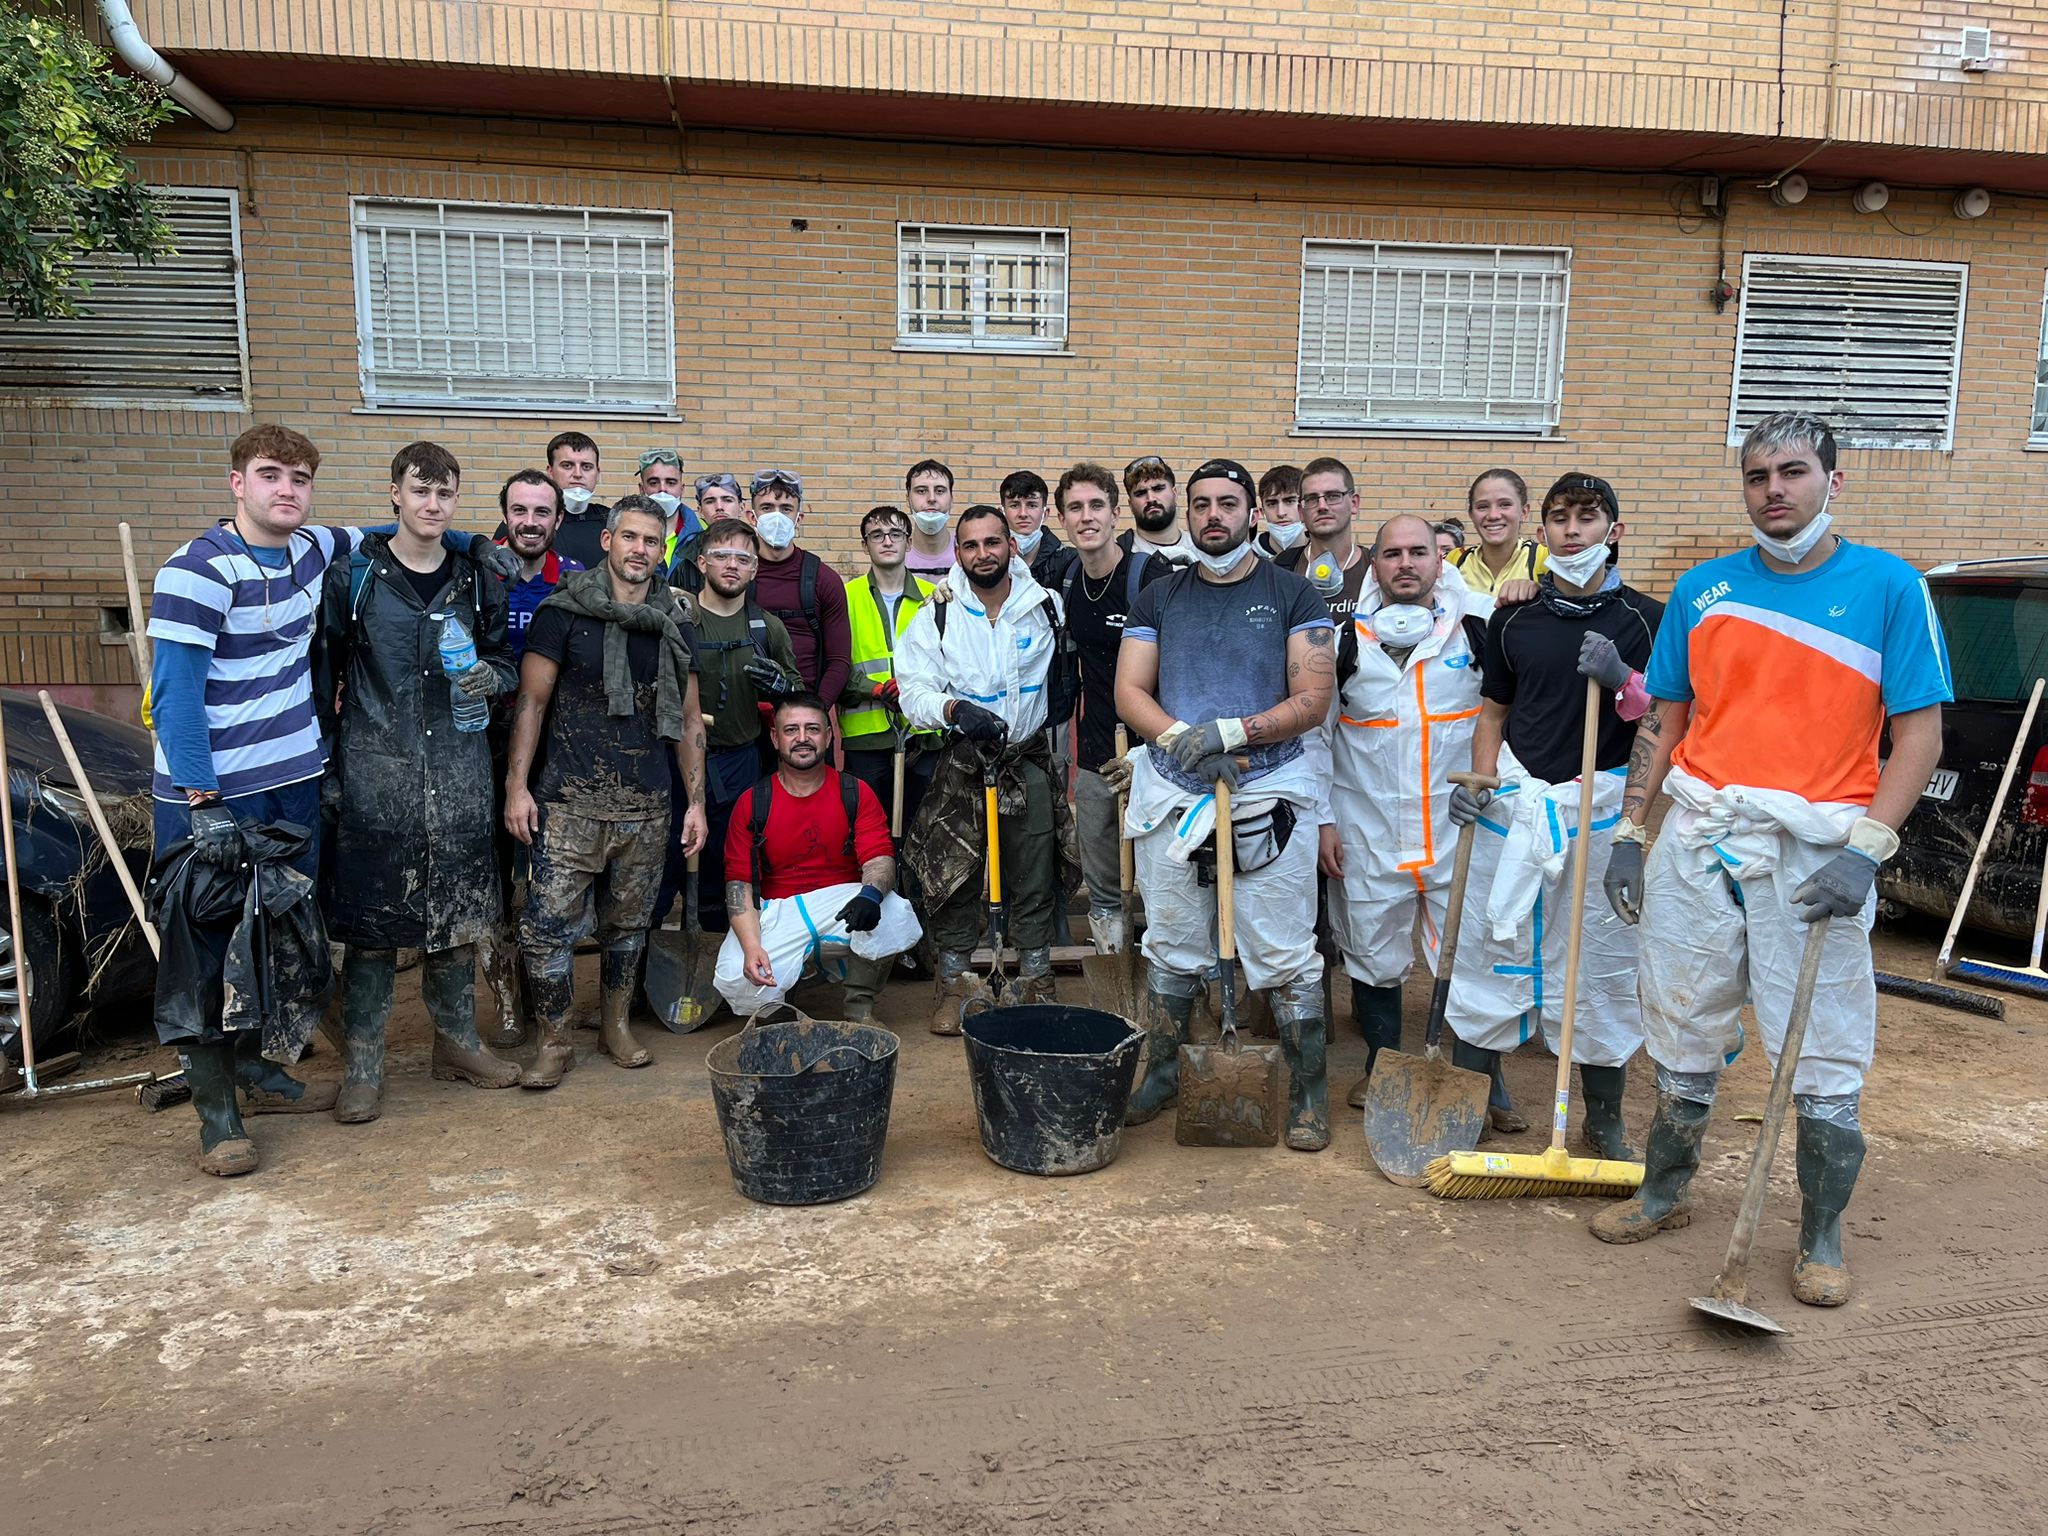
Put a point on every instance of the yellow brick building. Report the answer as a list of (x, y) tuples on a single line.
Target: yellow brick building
[(1427, 238)]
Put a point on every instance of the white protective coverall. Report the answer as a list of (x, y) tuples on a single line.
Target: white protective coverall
[(1511, 950), (1719, 928), (1275, 904), (797, 931), (1000, 666), (1401, 726)]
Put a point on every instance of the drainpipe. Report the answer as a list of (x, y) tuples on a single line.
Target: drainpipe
[(136, 53), (1834, 74)]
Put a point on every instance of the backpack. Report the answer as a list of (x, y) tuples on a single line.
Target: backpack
[(1062, 673), (807, 601), (757, 637), (757, 823), (1347, 646)]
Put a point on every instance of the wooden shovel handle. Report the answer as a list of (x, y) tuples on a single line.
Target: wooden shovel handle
[(1454, 913), (1226, 878), (1127, 873)]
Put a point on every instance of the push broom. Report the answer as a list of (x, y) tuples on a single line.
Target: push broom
[(1554, 1171), (2030, 978)]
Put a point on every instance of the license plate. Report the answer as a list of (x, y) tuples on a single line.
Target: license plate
[(1942, 786)]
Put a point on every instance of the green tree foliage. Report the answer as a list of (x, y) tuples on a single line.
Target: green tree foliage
[(66, 187)]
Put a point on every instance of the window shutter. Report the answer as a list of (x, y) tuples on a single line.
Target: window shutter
[(167, 332), (1871, 347), (2037, 437), (987, 290), (1442, 338), (504, 307)]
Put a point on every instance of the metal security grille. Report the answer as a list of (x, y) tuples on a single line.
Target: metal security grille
[(995, 290), (502, 307), (1437, 338), (2037, 437), (1871, 347), (167, 332)]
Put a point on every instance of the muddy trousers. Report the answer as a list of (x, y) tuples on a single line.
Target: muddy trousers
[(1030, 854), (589, 877), (447, 987)]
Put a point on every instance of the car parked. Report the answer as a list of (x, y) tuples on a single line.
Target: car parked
[(1994, 615), (79, 956)]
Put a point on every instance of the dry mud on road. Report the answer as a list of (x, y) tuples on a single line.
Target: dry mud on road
[(510, 1312)]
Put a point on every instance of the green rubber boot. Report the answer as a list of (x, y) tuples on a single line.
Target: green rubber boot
[(1500, 1109), (225, 1149), (448, 986), (1670, 1160), (267, 1089), (1603, 1131), (1378, 1013), (1830, 1157), (366, 978), (1304, 1038), (1166, 1031)]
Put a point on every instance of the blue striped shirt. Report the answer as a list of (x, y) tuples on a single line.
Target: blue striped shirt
[(257, 624)]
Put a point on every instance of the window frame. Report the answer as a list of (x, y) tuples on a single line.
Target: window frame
[(238, 404), (385, 404), (1307, 424), (973, 342), (1846, 437), (2037, 437)]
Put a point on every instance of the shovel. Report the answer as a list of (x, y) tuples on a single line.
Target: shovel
[(682, 968), (1229, 1092), (1419, 1108), (991, 995), (1729, 1302), (1113, 983)]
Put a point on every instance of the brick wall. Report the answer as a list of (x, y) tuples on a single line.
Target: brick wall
[(1185, 286)]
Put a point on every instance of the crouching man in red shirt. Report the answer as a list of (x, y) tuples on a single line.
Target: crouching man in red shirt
[(810, 875)]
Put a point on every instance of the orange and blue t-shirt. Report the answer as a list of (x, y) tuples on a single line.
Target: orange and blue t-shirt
[(1790, 677)]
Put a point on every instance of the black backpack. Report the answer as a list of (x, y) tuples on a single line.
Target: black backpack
[(757, 637), (757, 823), (807, 602), (1062, 674), (1347, 645)]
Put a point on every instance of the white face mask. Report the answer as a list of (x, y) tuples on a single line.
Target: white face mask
[(1225, 563), (777, 529), (1403, 624), (1581, 569), (576, 498), (930, 524), (1800, 545), (1285, 535), (1027, 545), (666, 502)]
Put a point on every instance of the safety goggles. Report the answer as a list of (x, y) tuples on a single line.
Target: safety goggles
[(717, 482), (660, 456), (767, 477), (1147, 467)]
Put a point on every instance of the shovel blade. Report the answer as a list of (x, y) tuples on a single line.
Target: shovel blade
[(1417, 1110), (681, 972), (1735, 1312), (1112, 987), (1230, 1096)]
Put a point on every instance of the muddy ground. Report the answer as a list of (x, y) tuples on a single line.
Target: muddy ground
[(496, 1312)]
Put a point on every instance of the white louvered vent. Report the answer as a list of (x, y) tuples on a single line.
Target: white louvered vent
[(502, 307), (1871, 347), (1431, 338), (167, 332), (981, 289)]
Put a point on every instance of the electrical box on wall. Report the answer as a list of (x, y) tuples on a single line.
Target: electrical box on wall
[(1976, 49)]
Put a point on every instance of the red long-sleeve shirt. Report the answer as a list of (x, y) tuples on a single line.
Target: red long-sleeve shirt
[(778, 587), (806, 838)]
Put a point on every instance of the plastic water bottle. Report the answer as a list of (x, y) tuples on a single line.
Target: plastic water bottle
[(458, 655)]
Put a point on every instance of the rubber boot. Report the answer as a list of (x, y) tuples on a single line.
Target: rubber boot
[(1377, 1012), (1166, 1031), (1603, 1131), (1830, 1157), (1500, 1109), (225, 1149), (549, 998), (617, 970), (448, 985), (497, 956), (267, 1089), (366, 978), (1304, 1039), (1034, 979), (1669, 1162), (954, 986), (863, 980)]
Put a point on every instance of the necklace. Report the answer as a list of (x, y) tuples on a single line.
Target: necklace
[(1088, 589)]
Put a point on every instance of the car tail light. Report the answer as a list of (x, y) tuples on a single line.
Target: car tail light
[(2034, 809)]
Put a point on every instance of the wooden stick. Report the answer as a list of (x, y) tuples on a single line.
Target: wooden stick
[(896, 800), (115, 856), (138, 626), (2012, 761), (1127, 874), (1589, 756), (23, 987)]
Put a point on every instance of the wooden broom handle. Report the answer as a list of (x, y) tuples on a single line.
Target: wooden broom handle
[(1589, 752)]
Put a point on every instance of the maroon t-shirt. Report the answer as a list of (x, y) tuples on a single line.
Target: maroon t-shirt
[(778, 587), (805, 839)]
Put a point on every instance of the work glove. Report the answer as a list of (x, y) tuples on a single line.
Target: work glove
[(1116, 773), (216, 837), (1623, 881), (978, 724), (1219, 765), (1599, 660), (1198, 743), (1837, 889), (886, 693), (480, 681), (494, 557), (767, 678), (1467, 803), (862, 913)]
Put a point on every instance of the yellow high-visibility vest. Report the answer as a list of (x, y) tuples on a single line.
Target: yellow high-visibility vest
[(874, 649)]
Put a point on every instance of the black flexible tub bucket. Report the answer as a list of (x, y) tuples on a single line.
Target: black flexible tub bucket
[(804, 1105), (1051, 1084)]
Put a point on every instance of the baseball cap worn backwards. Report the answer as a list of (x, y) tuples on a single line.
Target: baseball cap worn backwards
[(1227, 469)]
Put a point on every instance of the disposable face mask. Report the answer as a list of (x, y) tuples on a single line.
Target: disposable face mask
[(1027, 546), (1285, 535), (777, 529), (1800, 545), (1225, 563), (1403, 624), (930, 523), (666, 502), (576, 498), (1327, 577), (1582, 568)]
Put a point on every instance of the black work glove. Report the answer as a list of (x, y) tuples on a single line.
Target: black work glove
[(1467, 803), (494, 557), (978, 724), (1623, 882), (1837, 889), (216, 837), (862, 913), (768, 679)]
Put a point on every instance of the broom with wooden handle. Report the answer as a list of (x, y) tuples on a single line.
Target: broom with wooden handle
[(1554, 1171)]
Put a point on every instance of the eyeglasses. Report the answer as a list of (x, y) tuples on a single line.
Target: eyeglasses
[(884, 536), (739, 557), (767, 477), (1325, 498), (660, 456)]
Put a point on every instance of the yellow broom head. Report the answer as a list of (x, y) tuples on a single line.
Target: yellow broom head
[(1511, 1175)]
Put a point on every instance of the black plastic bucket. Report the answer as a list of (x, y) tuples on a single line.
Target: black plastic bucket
[(1051, 1084), (804, 1106)]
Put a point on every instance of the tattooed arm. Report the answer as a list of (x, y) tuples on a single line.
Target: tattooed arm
[(746, 927), (690, 758), (1311, 684), (1649, 760)]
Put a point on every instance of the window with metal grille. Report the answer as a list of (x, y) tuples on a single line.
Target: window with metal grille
[(2037, 436), (167, 332), (1873, 348), (981, 290), (1431, 338), (500, 307)]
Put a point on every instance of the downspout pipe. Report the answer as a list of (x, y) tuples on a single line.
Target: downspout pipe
[(136, 53)]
